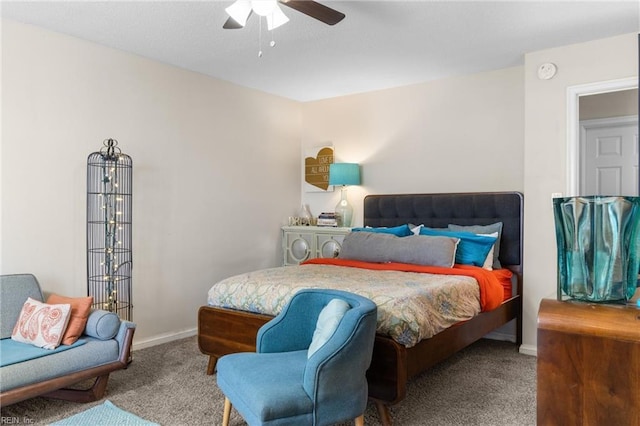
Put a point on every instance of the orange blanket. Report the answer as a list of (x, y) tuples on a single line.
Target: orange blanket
[(492, 283)]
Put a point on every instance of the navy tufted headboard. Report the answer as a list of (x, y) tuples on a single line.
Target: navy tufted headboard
[(439, 210)]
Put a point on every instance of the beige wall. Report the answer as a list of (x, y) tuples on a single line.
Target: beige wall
[(545, 150), (606, 105), (453, 135), (216, 170)]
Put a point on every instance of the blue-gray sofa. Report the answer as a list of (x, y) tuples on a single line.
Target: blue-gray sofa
[(106, 347)]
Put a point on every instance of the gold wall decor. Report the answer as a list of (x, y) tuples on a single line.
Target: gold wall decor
[(316, 169)]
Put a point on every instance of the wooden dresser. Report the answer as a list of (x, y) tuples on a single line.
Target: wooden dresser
[(588, 364)]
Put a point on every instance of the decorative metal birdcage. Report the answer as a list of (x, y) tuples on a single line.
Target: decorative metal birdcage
[(109, 218)]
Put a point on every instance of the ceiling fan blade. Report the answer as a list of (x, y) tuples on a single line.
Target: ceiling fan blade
[(231, 24), (315, 10)]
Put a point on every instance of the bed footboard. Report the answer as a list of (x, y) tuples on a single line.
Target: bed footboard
[(225, 331)]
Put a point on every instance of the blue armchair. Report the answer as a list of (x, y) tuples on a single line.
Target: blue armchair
[(288, 383)]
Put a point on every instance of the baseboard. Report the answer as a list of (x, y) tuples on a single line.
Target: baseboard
[(529, 350), (163, 338), (508, 337)]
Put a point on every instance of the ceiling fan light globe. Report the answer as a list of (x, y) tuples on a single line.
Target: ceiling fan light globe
[(239, 11), (264, 7), (276, 19)]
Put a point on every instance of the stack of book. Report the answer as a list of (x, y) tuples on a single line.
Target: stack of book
[(327, 219)]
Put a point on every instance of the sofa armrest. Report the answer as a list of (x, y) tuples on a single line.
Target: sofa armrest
[(106, 325), (125, 338)]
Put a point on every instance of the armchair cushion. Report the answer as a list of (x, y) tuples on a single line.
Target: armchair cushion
[(275, 392), (328, 321)]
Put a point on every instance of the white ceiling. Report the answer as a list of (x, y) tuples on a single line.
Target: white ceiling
[(380, 44)]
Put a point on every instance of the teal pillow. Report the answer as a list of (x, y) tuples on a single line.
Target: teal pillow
[(484, 229), (472, 249), (398, 231)]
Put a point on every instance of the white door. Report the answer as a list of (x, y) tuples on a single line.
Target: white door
[(609, 156)]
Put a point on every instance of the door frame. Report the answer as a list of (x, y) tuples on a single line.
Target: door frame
[(573, 124)]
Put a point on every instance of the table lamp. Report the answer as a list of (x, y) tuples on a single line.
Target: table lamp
[(344, 174)]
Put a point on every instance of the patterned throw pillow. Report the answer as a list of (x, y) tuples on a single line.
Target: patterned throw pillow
[(80, 309), (41, 324)]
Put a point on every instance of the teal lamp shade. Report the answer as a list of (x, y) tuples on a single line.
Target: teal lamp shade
[(344, 174)]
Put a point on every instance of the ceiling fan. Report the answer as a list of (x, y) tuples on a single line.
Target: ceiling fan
[(240, 11)]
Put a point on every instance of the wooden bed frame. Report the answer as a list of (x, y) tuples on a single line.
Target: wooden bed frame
[(223, 331)]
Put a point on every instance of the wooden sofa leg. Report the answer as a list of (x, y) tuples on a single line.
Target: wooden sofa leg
[(360, 420), (211, 367), (227, 412), (94, 393)]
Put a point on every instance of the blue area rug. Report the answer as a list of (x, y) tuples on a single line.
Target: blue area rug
[(104, 414)]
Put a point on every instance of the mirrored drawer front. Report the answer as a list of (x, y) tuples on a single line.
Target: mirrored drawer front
[(328, 245)]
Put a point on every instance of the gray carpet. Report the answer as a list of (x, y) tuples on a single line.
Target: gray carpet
[(489, 383)]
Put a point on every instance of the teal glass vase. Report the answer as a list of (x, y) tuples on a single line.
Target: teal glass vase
[(598, 241)]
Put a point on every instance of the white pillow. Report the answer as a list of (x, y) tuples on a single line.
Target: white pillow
[(40, 324), (488, 262), (327, 323), (415, 228)]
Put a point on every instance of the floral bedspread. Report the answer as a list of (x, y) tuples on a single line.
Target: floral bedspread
[(411, 306)]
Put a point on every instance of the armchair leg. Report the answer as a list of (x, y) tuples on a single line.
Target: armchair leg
[(383, 413), (360, 420), (227, 412)]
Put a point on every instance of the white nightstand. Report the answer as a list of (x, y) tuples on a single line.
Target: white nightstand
[(300, 243)]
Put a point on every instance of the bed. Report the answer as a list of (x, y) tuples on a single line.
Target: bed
[(222, 330)]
